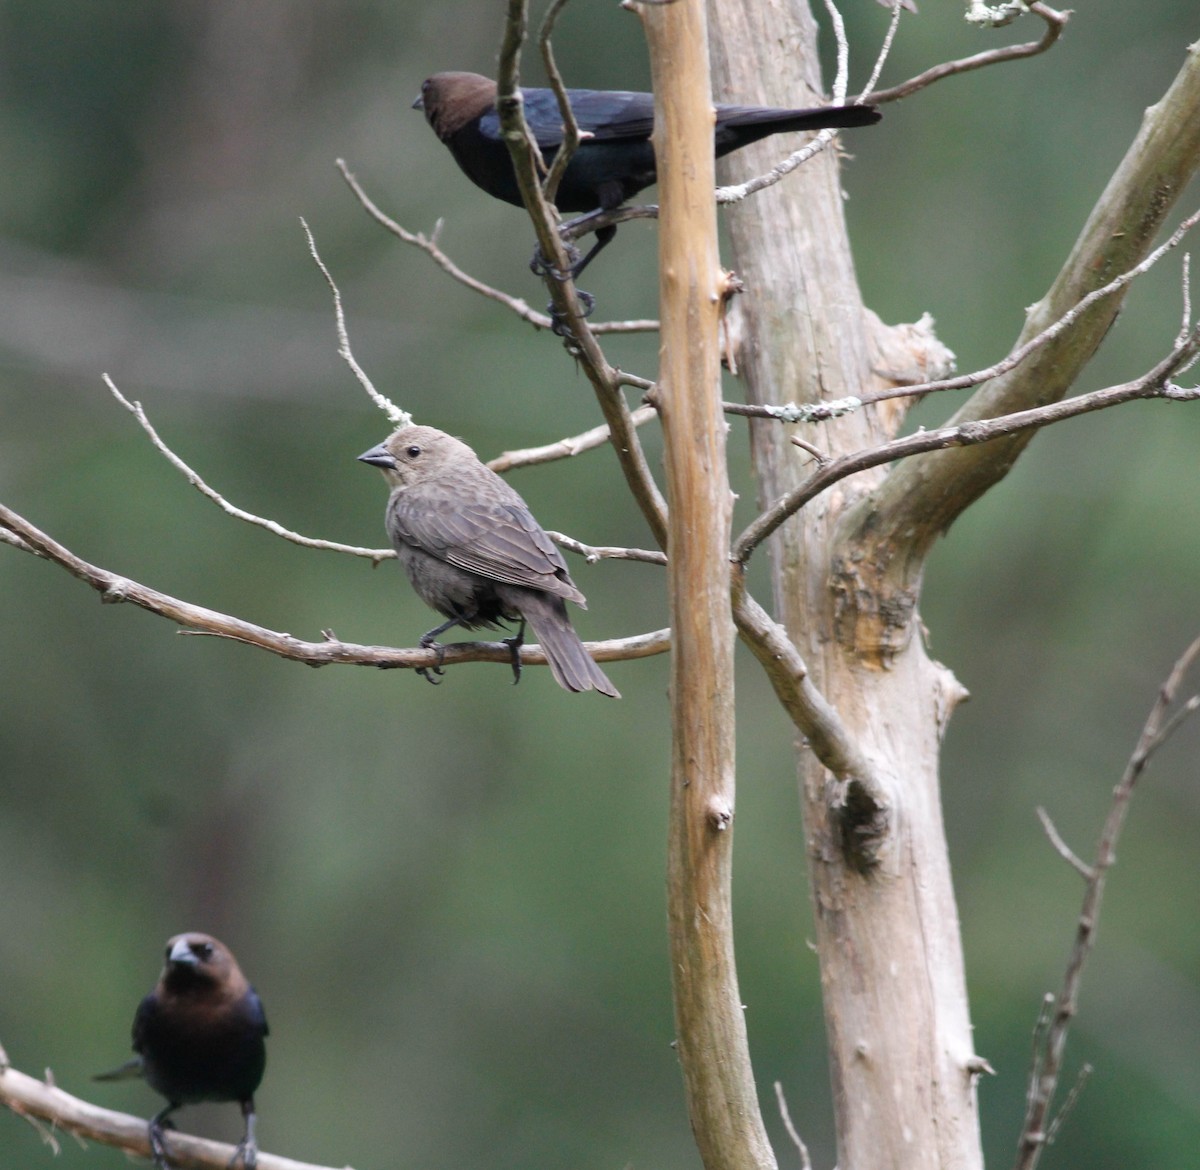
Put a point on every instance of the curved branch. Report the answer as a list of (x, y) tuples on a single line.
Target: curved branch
[(34, 1099), (428, 245), (809, 710), (569, 308), (374, 555), (564, 448), (892, 531), (1047, 1065), (1055, 23), (198, 619), (1155, 384)]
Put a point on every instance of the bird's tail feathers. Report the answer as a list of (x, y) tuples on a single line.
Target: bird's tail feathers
[(572, 666), (127, 1071), (775, 121)]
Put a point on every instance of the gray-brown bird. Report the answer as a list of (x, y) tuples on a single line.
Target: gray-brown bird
[(199, 1036), (616, 158), (475, 554)]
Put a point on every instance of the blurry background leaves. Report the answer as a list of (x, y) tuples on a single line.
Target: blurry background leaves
[(451, 899)]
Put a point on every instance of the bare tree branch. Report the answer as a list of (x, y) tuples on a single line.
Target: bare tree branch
[(1055, 23), (396, 416), (565, 448), (797, 1141), (197, 619), (428, 245), (1064, 850), (32, 1099), (921, 498), (571, 134), (822, 411), (808, 709), (135, 408), (1155, 384), (593, 553), (569, 307), (1036, 1134)]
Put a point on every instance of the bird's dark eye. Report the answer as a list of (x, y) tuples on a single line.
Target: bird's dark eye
[(413, 451), (202, 950)]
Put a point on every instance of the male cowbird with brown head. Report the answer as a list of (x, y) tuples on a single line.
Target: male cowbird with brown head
[(474, 552), (199, 1036), (616, 158)]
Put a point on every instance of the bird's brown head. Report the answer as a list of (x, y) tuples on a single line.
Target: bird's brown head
[(196, 959), (417, 454), (451, 100)]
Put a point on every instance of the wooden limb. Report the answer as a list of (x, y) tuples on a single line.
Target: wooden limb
[(1051, 1040), (889, 534), (1055, 23), (710, 1021), (33, 1099), (197, 619), (429, 245), (1154, 384)]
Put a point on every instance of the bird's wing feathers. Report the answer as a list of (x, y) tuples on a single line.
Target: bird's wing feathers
[(499, 539), (607, 115)]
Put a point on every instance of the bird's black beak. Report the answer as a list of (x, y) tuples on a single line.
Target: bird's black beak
[(379, 456), (419, 104)]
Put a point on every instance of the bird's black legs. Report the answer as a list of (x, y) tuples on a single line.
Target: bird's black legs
[(428, 641), (247, 1149), (158, 1146), (514, 645)]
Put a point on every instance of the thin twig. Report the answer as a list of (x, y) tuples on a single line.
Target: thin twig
[(1048, 1054), (593, 553), (396, 416), (842, 74), (1069, 1104), (571, 135), (739, 191), (135, 408), (428, 245), (1018, 355), (809, 412), (197, 619), (1155, 384), (884, 50), (1062, 848), (797, 1141), (565, 448), (1055, 23)]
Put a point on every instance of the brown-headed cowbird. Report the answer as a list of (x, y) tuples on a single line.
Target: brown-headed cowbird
[(616, 159), (474, 552), (199, 1036)]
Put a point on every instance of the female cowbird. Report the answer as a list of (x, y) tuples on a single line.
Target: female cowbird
[(199, 1037), (614, 161), (474, 552)]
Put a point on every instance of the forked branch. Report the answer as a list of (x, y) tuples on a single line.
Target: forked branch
[(1051, 1037)]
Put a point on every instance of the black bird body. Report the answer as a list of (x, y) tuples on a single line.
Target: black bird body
[(616, 160), (474, 553), (200, 1036)]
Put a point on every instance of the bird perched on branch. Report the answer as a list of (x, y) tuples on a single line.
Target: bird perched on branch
[(614, 161), (199, 1036), (475, 554)]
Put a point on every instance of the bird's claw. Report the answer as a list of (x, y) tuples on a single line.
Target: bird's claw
[(247, 1154), (427, 672), (539, 265), (514, 649), (558, 321)]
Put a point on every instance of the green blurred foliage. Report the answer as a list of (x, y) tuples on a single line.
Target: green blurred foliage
[(451, 899)]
